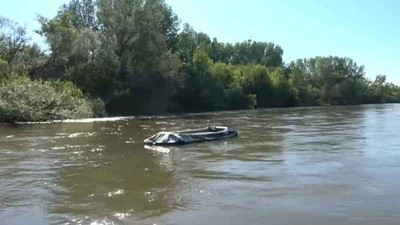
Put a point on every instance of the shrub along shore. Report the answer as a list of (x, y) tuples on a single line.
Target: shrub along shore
[(129, 57)]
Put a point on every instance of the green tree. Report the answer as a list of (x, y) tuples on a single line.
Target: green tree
[(305, 94), (255, 80), (146, 66), (283, 93)]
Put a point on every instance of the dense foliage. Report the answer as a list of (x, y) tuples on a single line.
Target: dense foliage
[(136, 58), (24, 100)]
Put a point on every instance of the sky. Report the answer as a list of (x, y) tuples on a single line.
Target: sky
[(365, 30)]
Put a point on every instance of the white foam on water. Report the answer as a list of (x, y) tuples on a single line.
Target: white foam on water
[(74, 135), (58, 148), (159, 149), (102, 222), (121, 216), (91, 120), (86, 120), (118, 192)]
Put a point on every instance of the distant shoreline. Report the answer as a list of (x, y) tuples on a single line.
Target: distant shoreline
[(175, 115)]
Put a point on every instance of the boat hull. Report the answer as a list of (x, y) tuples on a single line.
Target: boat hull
[(211, 133)]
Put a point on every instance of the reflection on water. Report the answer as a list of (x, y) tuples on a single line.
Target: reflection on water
[(322, 165)]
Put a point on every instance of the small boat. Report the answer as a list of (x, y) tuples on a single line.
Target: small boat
[(210, 133)]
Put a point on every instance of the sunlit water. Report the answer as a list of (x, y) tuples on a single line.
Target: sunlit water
[(323, 165)]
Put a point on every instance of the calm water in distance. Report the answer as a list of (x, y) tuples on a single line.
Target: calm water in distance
[(320, 165)]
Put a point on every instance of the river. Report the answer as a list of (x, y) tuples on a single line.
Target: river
[(317, 165)]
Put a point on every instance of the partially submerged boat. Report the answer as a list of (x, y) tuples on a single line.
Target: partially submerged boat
[(210, 133)]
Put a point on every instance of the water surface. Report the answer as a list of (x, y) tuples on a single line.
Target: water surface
[(320, 165)]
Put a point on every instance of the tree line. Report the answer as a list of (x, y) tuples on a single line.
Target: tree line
[(127, 57)]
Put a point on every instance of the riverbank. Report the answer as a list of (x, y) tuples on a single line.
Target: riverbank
[(183, 70)]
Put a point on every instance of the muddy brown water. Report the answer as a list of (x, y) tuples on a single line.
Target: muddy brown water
[(319, 165)]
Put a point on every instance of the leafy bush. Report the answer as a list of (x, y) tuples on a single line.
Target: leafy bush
[(24, 100), (98, 107)]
